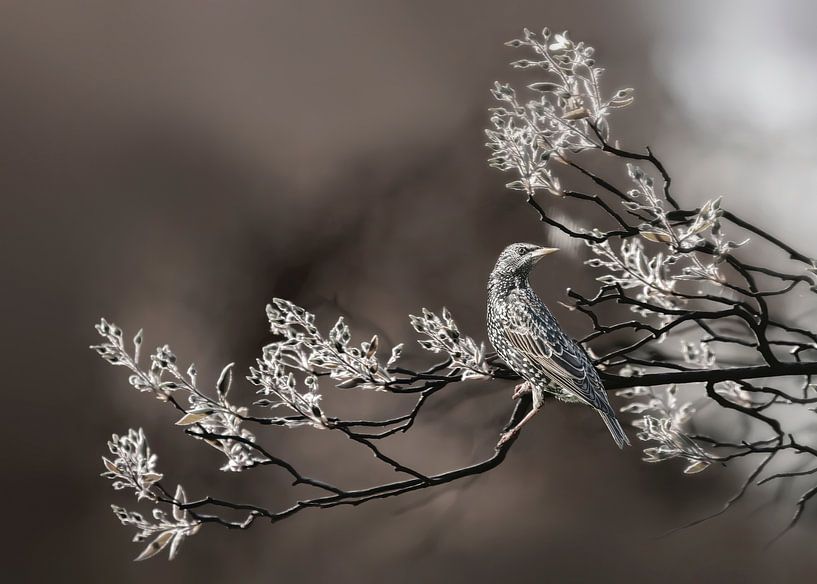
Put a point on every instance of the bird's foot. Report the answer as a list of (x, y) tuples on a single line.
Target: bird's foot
[(505, 436), (521, 390)]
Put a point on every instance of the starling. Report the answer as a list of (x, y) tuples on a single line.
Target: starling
[(527, 337)]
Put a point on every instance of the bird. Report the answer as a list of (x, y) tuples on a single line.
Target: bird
[(527, 337)]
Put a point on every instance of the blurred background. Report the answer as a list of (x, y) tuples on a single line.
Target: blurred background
[(175, 165)]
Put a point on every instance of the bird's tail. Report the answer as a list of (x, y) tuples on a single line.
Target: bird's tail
[(615, 428)]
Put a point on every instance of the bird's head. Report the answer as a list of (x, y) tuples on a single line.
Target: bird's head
[(518, 259)]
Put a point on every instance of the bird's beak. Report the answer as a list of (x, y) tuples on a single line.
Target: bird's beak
[(542, 252)]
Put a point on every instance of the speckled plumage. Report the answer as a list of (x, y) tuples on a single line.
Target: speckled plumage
[(530, 341)]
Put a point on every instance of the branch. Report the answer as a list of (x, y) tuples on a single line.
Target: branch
[(613, 382)]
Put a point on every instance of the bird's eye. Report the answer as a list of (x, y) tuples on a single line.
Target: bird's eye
[(522, 251)]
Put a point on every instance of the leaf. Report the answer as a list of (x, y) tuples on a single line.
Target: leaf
[(179, 514), (545, 86), (174, 547), (576, 114), (372, 347), (622, 98), (350, 383), (696, 467), (225, 380), (110, 465), (152, 477), (155, 546), (657, 236), (193, 417)]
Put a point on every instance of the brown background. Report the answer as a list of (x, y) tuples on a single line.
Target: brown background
[(174, 165)]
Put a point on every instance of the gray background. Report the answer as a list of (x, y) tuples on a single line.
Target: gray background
[(174, 165)]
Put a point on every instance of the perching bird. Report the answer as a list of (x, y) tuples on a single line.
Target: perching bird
[(527, 337)]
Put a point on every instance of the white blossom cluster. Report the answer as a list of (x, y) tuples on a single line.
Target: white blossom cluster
[(701, 356), (163, 529), (305, 349), (632, 268), (216, 418), (662, 420), (655, 275), (658, 228), (222, 419), (443, 336), (684, 238), (663, 416), (134, 467), (567, 113), (698, 354)]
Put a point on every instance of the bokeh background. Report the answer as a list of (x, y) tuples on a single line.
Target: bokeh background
[(175, 165)]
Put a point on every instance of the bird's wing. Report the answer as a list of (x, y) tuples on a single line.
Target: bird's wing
[(533, 330)]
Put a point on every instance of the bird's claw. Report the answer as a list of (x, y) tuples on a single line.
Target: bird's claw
[(521, 390), (505, 437)]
